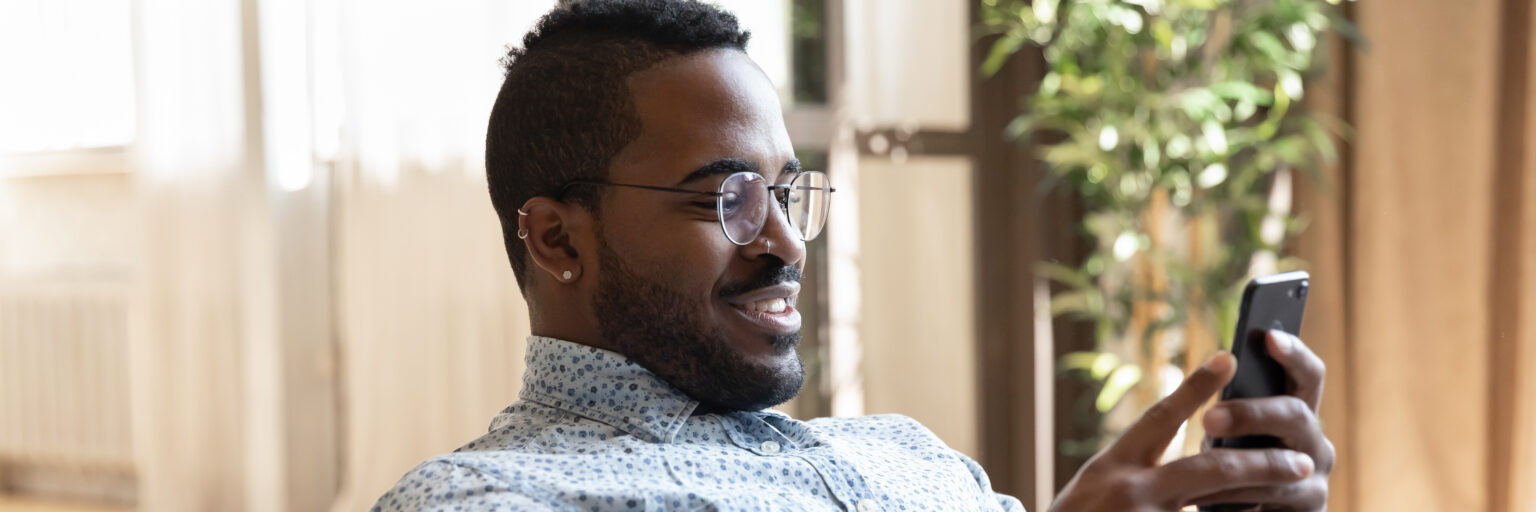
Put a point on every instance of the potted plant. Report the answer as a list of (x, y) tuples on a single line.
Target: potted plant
[(1179, 125)]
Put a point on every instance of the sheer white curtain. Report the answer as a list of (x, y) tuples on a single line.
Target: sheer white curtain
[(431, 322), (371, 227), (190, 315)]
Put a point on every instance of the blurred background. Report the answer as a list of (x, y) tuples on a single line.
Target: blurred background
[(247, 261)]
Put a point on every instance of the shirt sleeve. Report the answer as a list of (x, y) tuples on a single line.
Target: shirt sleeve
[(443, 486), (1004, 501)]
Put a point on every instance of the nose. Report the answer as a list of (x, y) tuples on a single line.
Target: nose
[(777, 238)]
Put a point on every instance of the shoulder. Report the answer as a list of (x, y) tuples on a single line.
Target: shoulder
[(533, 428), (884, 432), (451, 481), (516, 464), (880, 425)]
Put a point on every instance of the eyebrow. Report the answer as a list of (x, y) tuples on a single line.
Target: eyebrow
[(790, 167), (732, 166)]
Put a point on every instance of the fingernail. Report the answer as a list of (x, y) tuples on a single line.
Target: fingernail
[(1218, 420), (1283, 340), (1219, 364), (1303, 464)]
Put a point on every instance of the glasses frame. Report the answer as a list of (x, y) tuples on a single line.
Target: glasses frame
[(773, 192)]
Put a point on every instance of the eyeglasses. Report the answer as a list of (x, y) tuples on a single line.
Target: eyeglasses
[(742, 203)]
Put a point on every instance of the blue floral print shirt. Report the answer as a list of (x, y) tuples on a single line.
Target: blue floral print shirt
[(595, 431)]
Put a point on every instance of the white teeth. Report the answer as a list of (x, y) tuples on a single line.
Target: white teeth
[(769, 306)]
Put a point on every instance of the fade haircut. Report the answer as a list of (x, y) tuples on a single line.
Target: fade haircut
[(565, 108)]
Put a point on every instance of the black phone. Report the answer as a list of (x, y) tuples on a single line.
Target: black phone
[(1272, 302)]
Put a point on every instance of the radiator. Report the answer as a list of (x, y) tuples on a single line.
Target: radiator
[(64, 413)]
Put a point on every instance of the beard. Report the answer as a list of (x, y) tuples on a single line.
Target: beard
[(670, 335)]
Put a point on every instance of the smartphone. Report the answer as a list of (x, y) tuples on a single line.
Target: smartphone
[(1273, 302)]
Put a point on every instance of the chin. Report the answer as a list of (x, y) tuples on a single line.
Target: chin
[(774, 384), (767, 348), (785, 344)]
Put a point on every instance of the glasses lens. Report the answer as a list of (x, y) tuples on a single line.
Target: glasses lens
[(807, 203), (743, 206)]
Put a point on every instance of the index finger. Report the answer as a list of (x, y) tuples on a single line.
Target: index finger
[(1150, 435)]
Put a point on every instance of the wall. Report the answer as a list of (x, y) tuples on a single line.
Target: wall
[(918, 327), (1422, 247)]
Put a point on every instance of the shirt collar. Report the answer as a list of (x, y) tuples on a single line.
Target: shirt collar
[(604, 386)]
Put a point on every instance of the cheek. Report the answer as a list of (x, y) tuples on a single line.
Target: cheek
[(686, 255)]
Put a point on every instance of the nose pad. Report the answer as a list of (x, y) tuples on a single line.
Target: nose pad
[(780, 198), (779, 210), (780, 204), (777, 238)]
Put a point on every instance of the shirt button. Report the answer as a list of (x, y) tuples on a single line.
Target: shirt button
[(770, 447), (868, 506)]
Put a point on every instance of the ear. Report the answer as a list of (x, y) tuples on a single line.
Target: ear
[(558, 235)]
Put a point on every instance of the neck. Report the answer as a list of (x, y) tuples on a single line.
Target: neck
[(561, 319)]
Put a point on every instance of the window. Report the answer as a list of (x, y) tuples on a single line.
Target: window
[(68, 85)]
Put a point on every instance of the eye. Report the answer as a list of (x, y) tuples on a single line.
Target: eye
[(729, 202)]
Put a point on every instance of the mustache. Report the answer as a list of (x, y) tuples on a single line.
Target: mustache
[(768, 277)]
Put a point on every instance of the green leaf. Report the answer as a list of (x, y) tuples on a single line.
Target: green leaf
[(1240, 90), (1003, 48), (1205, 5), (1162, 31), (1018, 128), (1271, 123), (1269, 45), (1097, 365), (1072, 155), (1201, 104), (1070, 276), (1293, 149), (1082, 302), (1321, 140), (1116, 386)]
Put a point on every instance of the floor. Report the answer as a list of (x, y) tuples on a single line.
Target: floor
[(25, 504)]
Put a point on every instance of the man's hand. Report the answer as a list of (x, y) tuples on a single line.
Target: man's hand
[(1126, 476), (1292, 418)]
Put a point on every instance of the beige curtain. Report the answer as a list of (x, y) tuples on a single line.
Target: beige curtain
[(192, 315), (431, 323), (315, 314), (1424, 260)]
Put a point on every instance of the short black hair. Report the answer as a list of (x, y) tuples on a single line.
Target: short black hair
[(565, 108)]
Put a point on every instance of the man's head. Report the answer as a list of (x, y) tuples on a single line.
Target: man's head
[(656, 93)]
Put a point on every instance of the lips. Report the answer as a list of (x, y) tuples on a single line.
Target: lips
[(771, 308)]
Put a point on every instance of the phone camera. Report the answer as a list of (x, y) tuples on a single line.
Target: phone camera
[(1299, 292)]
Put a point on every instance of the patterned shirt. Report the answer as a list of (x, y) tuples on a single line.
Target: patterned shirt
[(595, 431)]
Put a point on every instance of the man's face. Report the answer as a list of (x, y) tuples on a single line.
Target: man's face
[(674, 294)]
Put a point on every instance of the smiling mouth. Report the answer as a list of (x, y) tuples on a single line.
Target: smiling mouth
[(771, 309), (775, 305), (768, 299)]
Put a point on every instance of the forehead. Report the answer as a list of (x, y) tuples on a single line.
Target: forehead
[(698, 109)]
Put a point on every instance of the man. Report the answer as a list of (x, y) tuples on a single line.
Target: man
[(656, 219)]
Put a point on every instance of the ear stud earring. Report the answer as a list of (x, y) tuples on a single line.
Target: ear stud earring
[(566, 275), (522, 233)]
